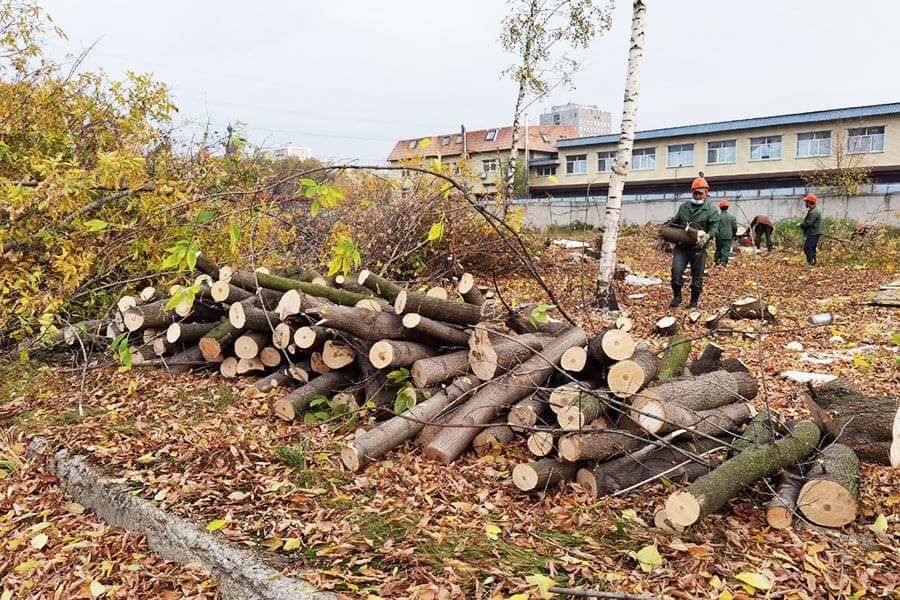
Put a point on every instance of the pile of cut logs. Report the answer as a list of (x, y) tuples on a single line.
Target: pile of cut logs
[(602, 409)]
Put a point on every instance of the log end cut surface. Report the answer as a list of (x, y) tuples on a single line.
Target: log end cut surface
[(351, 458), (283, 409), (682, 509), (827, 503)]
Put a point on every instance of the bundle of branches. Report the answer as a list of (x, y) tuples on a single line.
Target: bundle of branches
[(460, 373)]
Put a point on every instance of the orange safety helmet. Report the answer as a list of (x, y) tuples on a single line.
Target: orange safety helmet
[(699, 183), (811, 198), (724, 204)]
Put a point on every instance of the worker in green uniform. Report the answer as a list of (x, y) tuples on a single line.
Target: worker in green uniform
[(696, 214), (812, 228), (725, 234)]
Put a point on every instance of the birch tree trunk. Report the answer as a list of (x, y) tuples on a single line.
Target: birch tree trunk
[(620, 169), (524, 75)]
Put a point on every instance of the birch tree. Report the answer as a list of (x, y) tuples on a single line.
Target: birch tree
[(613, 213), (532, 31)]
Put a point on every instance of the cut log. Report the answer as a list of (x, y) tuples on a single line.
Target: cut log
[(830, 498), (249, 365), (376, 442), (375, 305), (598, 446), (282, 336), (317, 364), (667, 405), (711, 491), (148, 294), (469, 290), (154, 315), (252, 281), (679, 235), (392, 354), (780, 509), (662, 417), (362, 323), (526, 413), (492, 438), (629, 470), (429, 371), (574, 359), (228, 368), (270, 356), (869, 425), (458, 313), (126, 302), (161, 346), (213, 344), (752, 308), (300, 371), (708, 361), (565, 394), (243, 316), (437, 292), (542, 474), (188, 333), (674, 358), (498, 394), (348, 399), (349, 283), (712, 321), (337, 355), (311, 338), (624, 323), (149, 335), (628, 377), (379, 285), (274, 380), (225, 293), (250, 344), (294, 302), (184, 361), (666, 326), (611, 345), (694, 316), (540, 443), (435, 330), (579, 413), (489, 357), (297, 401)]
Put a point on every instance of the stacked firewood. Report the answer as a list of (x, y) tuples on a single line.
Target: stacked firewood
[(602, 409)]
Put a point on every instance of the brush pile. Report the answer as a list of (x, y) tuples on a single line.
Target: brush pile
[(461, 374)]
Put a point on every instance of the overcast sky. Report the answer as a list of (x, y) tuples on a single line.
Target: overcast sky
[(347, 78)]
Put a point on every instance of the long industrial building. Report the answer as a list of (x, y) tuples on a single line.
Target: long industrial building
[(744, 158)]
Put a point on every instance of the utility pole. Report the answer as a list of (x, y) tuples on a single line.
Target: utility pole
[(462, 134)]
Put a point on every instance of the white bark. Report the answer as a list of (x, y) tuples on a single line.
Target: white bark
[(622, 164), (520, 99)]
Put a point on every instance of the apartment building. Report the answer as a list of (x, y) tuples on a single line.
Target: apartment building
[(587, 119), (762, 156), (484, 151)]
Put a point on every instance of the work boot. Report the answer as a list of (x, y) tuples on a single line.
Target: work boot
[(695, 299), (676, 298)]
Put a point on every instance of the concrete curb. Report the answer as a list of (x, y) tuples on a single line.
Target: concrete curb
[(241, 574)]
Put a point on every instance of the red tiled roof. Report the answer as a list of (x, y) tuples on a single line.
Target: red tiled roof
[(540, 138)]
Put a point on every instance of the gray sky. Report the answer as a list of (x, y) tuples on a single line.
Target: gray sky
[(347, 78)]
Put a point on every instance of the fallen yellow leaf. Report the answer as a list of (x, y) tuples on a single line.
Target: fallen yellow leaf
[(97, 589), (291, 544), (39, 541), (755, 580), (216, 524), (880, 524), (26, 566), (492, 531)]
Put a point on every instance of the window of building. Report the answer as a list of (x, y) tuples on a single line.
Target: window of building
[(445, 141), (865, 139), (489, 165), (459, 138), (556, 118), (413, 143), (576, 164), (643, 159), (605, 160), (490, 135), (681, 155), (546, 171), (815, 143), (721, 152), (765, 148)]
